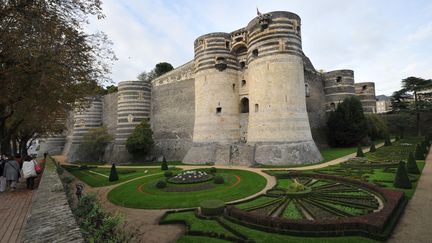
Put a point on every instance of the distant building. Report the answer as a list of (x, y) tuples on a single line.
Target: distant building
[(383, 104)]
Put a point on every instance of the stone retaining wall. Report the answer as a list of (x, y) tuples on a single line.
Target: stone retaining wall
[(51, 219)]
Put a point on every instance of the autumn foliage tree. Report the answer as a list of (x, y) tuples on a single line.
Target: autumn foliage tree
[(47, 62)]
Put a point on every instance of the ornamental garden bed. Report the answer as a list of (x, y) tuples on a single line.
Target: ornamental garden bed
[(143, 193)]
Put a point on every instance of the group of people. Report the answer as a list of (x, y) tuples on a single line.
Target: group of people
[(13, 168)]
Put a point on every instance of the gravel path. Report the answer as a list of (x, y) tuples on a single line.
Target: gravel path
[(413, 226)]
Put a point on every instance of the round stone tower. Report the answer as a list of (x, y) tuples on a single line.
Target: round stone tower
[(216, 98), (278, 120), (338, 85), (133, 106), (84, 119), (366, 93)]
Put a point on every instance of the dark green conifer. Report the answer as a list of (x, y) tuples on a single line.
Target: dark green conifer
[(372, 147), (113, 173), (164, 165), (419, 153), (412, 167), (359, 151), (402, 179), (397, 138), (387, 141)]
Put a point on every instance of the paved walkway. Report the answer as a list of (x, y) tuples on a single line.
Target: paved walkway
[(415, 224), (14, 209)]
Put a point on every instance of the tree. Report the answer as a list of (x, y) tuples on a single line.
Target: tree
[(347, 125), (419, 153), (359, 151), (94, 143), (377, 128), (412, 167), (47, 61), (113, 173), (160, 69), (402, 180), (413, 87), (140, 142), (372, 147), (164, 165)]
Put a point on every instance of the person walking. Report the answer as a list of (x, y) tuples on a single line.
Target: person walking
[(11, 172), (29, 171), (2, 178)]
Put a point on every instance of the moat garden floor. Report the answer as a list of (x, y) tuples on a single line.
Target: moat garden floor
[(146, 221)]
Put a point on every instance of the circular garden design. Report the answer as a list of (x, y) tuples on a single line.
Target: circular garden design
[(314, 199), (184, 189)]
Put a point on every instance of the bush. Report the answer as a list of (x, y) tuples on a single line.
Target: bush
[(95, 224), (212, 170), (360, 152), (387, 141), (60, 170), (419, 153), (372, 147), (113, 174), (164, 165), (377, 127), (397, 138), (94, 143), (402, 180), (212, 207), (140, 142), (161, 184), (412, 167), (219, 180), (67, 179), (347, 125), (168, 174)]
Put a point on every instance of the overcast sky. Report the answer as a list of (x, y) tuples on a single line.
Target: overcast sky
[(382, 41)]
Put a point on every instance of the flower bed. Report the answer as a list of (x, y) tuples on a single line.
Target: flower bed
[(190, 176)]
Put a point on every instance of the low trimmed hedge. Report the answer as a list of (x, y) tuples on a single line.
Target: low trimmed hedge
[(212, 207)]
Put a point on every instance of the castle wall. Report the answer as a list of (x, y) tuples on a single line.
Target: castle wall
[(366, 93), (109, 120), (315, 105), (172, 118)]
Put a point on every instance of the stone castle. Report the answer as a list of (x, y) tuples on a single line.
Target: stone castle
[(249, 96)]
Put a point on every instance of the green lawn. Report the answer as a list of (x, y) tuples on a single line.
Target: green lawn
[(98, 177), (142, 193)]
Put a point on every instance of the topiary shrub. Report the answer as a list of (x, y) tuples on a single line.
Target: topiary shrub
[(161, 184), (412, 167), (372, 148), (212, 170), (212, 207), (387, 141), (219, 180), (419, 153), (164, 165), (397, 138), (359, 152), (402, 180), (113, 174), (168, 174)]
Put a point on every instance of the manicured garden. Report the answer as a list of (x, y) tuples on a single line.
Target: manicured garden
[(146, 193), (98, 177), (359, 197)]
